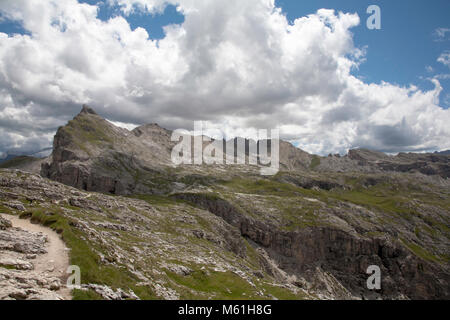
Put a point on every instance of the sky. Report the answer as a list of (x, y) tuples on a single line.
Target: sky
[(313, 69)]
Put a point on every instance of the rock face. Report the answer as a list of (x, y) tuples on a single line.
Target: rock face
[(346, 256), (313, 229), (92, 154)]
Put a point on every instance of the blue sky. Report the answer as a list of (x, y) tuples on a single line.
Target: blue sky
[(399, 53), (152, 23), (405, 45)]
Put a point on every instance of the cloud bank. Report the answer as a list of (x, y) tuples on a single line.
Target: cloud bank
[(238, 64)]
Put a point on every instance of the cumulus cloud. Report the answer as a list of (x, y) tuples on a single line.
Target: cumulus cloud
[(237, 64)]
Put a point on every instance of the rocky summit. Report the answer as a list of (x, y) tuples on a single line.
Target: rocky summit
[(139, 227)]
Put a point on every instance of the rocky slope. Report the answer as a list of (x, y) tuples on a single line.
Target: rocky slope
[(311, 231), (148, 248)]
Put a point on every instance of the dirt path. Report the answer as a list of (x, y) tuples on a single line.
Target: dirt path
[(53, 263)]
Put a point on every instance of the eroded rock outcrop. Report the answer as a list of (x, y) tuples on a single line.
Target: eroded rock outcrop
[(427, 163), (92, 154), (346, 256)]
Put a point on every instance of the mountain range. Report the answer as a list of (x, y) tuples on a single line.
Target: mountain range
[(137, 223)]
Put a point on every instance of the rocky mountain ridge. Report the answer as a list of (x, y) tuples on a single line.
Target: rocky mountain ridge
[(92, 154), (167, 232)]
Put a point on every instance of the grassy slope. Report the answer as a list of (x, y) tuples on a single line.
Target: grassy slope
[(398, 201), (17, 162)]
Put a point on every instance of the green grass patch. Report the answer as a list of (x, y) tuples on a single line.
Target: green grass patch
[(226, 285), (284, 294), (17, 162), (315, 162), (82, 254), (263, 186), (89, 294), (5, 209), (420, 252), (7, 266), (371, 199), (158, 200)]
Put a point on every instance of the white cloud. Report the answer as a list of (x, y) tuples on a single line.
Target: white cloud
[(238, 63), (128, 126), (131, 6), (444, 58), (441, 34)]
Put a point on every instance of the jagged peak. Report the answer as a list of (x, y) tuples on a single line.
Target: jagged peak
[(87, 110), (150, 128)]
